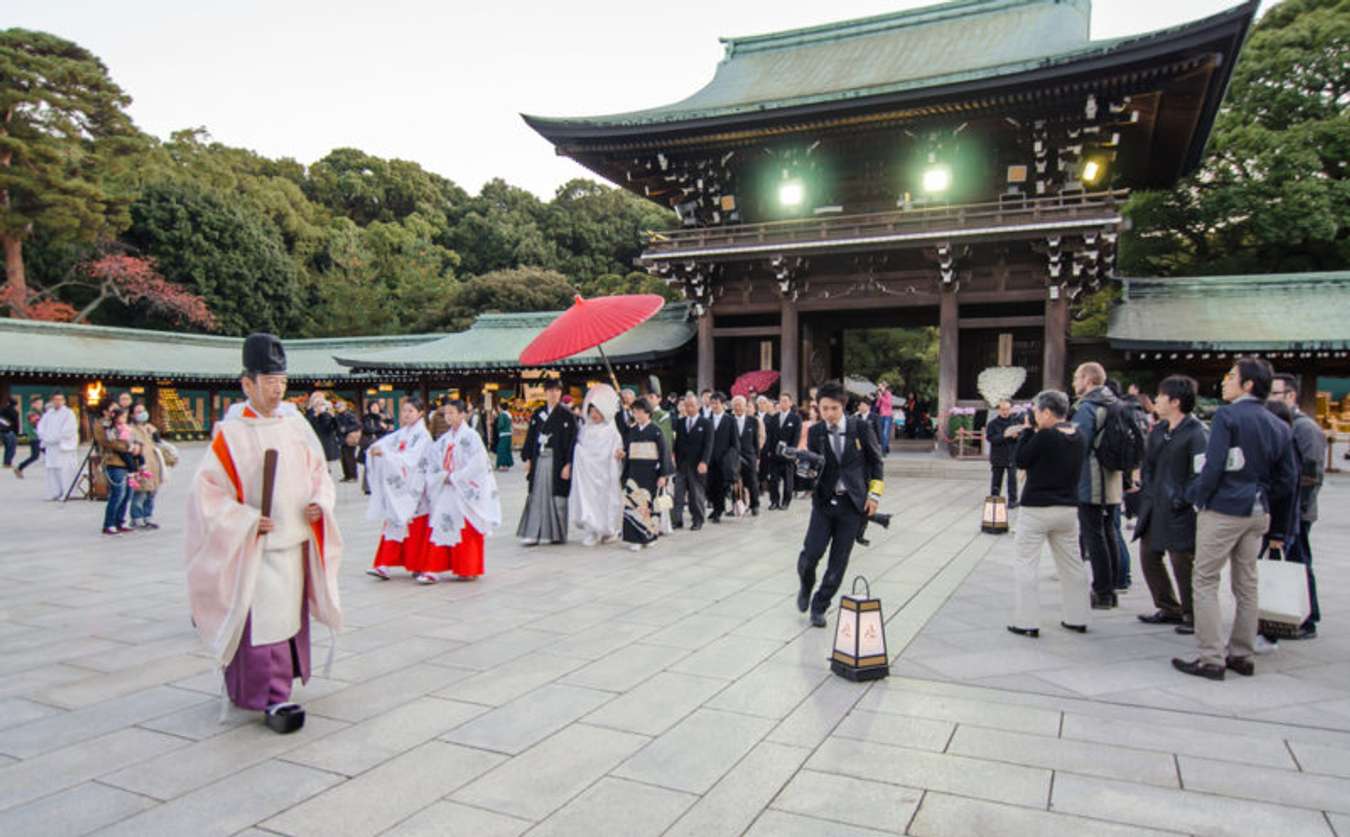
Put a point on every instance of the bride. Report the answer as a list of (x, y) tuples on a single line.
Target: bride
[(596, 504)]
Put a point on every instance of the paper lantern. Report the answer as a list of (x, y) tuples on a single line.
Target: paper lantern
[(994, 520), (860, 637)]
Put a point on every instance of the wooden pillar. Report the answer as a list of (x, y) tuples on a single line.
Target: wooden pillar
[(790, 351), (153, 405), (948, 343), (1053, 372), (705, 351), (1307, 391)]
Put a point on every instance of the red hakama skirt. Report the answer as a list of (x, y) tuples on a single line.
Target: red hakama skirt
[(464, 559), (409, 552)]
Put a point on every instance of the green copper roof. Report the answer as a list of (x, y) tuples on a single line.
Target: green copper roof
[(1282, 311), (39, 348), (960, 41), (496, 340)]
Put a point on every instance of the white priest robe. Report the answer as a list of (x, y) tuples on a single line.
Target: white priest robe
[(59, 433)]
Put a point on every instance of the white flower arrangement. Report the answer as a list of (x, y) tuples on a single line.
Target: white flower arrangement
[(999, 383)]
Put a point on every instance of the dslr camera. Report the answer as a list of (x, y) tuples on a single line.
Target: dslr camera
[(809, 464)]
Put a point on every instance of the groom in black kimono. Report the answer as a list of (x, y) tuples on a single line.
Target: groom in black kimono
[(547, 453)]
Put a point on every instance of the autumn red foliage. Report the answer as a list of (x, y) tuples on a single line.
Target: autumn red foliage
[(132, 280)]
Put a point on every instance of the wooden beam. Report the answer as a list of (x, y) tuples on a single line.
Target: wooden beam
[(790, 350), (1056, 336), (747, 331), (1002, 322), (949, 341), (705, 351)]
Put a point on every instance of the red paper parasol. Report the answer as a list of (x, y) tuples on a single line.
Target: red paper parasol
[(587, 324), (758, 380)]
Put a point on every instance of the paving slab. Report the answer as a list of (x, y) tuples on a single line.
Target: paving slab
[(696, 752)]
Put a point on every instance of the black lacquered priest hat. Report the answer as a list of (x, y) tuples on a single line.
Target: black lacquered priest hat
[(264, 355)]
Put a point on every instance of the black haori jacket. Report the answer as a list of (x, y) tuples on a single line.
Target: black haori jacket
[(1171, 461), (561, 427)]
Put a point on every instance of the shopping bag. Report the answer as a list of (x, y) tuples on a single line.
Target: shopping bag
[(1282, 594)]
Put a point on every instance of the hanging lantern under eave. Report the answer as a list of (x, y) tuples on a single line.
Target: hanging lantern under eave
[(860, 637)]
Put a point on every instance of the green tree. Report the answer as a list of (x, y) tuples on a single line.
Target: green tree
[(504, 291), (600, 230), (906, 358), (1272, 194), (63, 136), (224, 251), (635, 282)]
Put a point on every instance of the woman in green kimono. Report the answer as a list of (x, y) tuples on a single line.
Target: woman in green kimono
[(503, 428)]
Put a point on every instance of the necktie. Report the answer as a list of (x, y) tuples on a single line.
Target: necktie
[(689, 425), (837, 439)]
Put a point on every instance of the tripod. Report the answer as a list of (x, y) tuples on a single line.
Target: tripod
[(85, 472)]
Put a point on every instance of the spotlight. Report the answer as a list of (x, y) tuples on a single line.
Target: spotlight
[(1092, 172), (791, 193), (937, 179)]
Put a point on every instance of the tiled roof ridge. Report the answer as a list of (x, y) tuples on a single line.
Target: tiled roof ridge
[(1148, 286), (11, 324), (900, 19)]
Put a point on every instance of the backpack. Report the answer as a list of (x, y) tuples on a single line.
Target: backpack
[(1119, 442)]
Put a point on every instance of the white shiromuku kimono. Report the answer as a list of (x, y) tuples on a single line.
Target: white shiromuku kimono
[(398, 478), (461, 487), (59, 433), (596, 504), (250, 593)]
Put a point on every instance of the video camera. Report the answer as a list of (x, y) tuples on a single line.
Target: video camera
[(809, 464)]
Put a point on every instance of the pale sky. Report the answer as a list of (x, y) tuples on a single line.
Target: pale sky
[(440, 83)]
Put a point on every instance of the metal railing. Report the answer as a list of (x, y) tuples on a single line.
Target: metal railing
[(1009, 213)]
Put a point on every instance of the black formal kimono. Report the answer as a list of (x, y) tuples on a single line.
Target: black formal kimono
[(643, 465), (766, 456), (852, 473), (548, 447), (1000, 454), (726, 460)]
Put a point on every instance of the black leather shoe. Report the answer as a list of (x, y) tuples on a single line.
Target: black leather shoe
[(1160, 618), (284, 718), (803, 600), (1080, 629), (754, 512), (863, 541), (818, 620), (1103, 601), (679, 525), (695, 527), (1185, 628), (714, 519), (773, 507), (1308, 631), (1198, 669), (1241, 665), (1033, 633)]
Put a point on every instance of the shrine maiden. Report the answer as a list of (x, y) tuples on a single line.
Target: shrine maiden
[(462, 493), (396, 470)]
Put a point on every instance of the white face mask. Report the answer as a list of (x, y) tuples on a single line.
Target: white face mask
[(142, 418)]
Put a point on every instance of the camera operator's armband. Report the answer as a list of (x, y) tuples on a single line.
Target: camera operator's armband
[(876, 488)]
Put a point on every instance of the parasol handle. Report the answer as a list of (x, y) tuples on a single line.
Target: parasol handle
[(612, 377)]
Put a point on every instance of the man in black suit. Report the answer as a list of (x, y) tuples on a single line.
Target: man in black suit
[(726, 457), (693, 452), (768, 419), (847, 492), (747, 438), (783, 472), (625, 419), (866, 415)]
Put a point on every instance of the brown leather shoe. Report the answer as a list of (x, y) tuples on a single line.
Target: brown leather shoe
[(1198, 669), (1241, 665)]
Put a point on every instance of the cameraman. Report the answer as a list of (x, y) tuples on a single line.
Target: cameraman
[(846, 493)]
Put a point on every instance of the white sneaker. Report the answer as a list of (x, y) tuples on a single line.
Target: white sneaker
[(529, 541), (1265, 646), (589, 540), (635, 547)]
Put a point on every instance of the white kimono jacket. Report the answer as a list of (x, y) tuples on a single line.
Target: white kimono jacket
[(59, 433), (398, 479), (596, 502), (460, 486)]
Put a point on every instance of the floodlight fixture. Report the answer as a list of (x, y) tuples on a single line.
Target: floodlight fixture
[(937, 179), (791, 193), (1093, 170)]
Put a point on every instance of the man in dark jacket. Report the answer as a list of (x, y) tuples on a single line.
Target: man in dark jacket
[(1310, 442), (547, 453), (1099, 489), (768, 419), (847, 492), (725, 457), (349, 437), (693, 452), (784, 471), (1247, 469), (747, 446), (1176, 447), (1001, 450)]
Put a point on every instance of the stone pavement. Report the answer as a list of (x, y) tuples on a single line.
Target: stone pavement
[(676, 691)]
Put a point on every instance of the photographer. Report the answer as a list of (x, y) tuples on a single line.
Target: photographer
[(320, 417), (846, 493)]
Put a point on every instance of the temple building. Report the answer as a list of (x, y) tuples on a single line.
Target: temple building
[(961, 165)]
